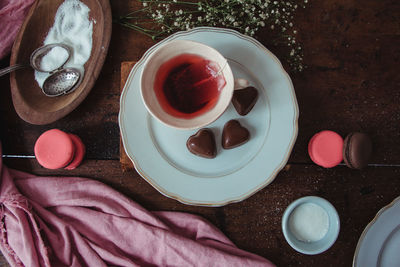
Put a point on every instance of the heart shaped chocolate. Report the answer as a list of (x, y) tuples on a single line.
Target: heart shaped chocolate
[(234, 134), (202, 144), (244, 100)]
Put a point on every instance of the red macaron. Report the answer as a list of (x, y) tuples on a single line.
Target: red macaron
[(326, 149), (79, 152), (55, 149)]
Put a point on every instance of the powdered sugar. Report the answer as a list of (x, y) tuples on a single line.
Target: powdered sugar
[(73, 28), (54, 59), (309, 222)]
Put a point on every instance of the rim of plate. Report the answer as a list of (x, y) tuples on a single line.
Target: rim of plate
[(369, 225), (269, 179)]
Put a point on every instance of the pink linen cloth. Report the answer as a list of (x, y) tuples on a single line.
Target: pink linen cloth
[(12, 15), (71, 221)]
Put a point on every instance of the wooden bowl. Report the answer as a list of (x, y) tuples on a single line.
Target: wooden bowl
[(29, 101)]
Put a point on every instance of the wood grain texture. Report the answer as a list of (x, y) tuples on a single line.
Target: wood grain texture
[(126, 163), (352, 51), (29, 101)]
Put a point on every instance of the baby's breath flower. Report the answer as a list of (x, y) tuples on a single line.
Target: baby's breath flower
[(246, 16)]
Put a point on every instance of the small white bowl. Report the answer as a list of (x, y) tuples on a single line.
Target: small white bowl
[(312, 248)]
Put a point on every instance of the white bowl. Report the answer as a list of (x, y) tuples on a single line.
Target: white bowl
[(312, 248)]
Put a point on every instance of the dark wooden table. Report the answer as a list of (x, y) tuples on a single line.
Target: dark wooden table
[(352, 50)]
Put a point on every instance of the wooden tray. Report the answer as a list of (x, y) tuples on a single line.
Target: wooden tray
[(126, 163), (29, 101)]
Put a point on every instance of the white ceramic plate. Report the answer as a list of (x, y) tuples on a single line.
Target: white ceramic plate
[(379, 244), (159, 153)]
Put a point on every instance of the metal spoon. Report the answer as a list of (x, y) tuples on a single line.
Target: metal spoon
[(36, 57), (62, 82), (39, 53)]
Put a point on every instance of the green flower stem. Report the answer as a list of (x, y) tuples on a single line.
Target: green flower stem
[(133, 12), (166, 26), (192, 11), (170, 2), (159, 18), (137, 28), (127, 18)]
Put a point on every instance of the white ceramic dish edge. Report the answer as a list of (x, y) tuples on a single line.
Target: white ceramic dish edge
[(369, 225)]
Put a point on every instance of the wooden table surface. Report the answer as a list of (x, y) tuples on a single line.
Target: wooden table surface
[(352, 50)]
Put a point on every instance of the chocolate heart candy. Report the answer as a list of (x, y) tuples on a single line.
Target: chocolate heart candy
[(202, 144), (234, 135), (244, 100), (357, 150)]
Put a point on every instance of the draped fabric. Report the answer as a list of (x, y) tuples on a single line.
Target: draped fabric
[(72, 221), (12, 15)]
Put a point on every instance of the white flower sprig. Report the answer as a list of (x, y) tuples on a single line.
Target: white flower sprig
[(159, 18)]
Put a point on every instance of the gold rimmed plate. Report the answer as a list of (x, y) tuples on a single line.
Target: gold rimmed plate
[(159, 152), (379, 242)]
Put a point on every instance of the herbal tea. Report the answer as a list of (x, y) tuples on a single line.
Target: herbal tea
[(188, 85)]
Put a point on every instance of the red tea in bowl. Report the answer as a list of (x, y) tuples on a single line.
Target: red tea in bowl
[(188, 85)]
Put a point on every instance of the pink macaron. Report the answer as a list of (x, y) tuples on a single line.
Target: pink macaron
[(79, 152), (326, 149), (54, 149)]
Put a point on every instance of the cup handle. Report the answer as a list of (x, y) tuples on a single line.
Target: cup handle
[(241, 84)]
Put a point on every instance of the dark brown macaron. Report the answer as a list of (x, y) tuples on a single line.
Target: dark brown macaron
[(244, 100), (202, 144), (357, 150), (234, 135)]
